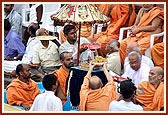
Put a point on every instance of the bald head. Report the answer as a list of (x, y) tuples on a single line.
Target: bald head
[(41, 32), (132, 46), (95, 83), (156, 75)]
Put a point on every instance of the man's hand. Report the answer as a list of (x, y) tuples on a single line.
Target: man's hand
[(26, 106)]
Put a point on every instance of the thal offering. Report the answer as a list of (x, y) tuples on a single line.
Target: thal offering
[(99, 60)]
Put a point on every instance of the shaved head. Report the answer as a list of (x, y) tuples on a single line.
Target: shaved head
[(95, 83), (132, 46)]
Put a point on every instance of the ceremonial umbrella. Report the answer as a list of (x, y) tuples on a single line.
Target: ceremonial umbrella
[(80, 14)]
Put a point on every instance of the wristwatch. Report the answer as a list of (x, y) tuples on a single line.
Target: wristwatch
[(15, 58)]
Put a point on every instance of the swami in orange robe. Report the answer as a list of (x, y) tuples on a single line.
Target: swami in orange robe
[(62, 75), (151, 99), (142, 38), (18, 92), (120, 17), (96, 100), (157, 54)]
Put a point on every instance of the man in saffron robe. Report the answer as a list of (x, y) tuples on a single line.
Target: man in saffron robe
[(150, 94), (121, 15), (22, 90), (157, 53), (62, 74), (149, 21), (95, 97)]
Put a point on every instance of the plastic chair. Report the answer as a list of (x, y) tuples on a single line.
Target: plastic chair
[(153, 36), (40, 86)]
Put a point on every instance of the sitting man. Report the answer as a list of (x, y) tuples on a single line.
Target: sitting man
[(133, 46), (47, 101), (10, 66), (136, 70), (62, 74), (150, 94), (125, 102), (71, 44), (148, 21), (22, 90), (45, 54), (13, 46), (157, 53), (95, 97), (113, 57)]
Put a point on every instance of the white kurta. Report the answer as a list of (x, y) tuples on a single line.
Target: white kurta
[(46, 101), (142, 74), (124, 106), (145, 60)]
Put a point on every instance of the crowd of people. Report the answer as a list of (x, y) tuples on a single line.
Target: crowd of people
[(44, 59)]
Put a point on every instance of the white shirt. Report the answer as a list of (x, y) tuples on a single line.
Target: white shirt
[(46, 101), (47, 57), (145, 60), (124, 106), (114, 63), (66, 46), (9, 66), (27, 57), (142, 74)]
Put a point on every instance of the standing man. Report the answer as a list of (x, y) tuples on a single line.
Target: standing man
[(71, 44), (95, 97), (62, 74), (14, 18)]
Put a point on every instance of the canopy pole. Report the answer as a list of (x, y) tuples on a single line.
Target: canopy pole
[(78, 55)]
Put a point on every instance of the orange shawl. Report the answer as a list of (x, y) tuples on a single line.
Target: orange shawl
[(142, 38), (18, 92), (62, 75), (120, 14), (157, 53), (96, 100), (152, 99)]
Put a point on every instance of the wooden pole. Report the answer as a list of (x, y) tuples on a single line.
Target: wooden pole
[(78, 55)]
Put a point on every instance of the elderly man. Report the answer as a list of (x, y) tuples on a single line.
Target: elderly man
[(45, 53), (22, 90), (113, 56), (134, 46), (136, 70), (95, 97), (150, 94)]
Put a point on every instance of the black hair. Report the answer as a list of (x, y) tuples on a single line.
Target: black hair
[(33, 28), (62, 56), (19, 68), (7, 25), (48, 81), (67, 28), (127, 88)]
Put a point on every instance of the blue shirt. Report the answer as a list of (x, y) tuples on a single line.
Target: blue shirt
[(13, 45)]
